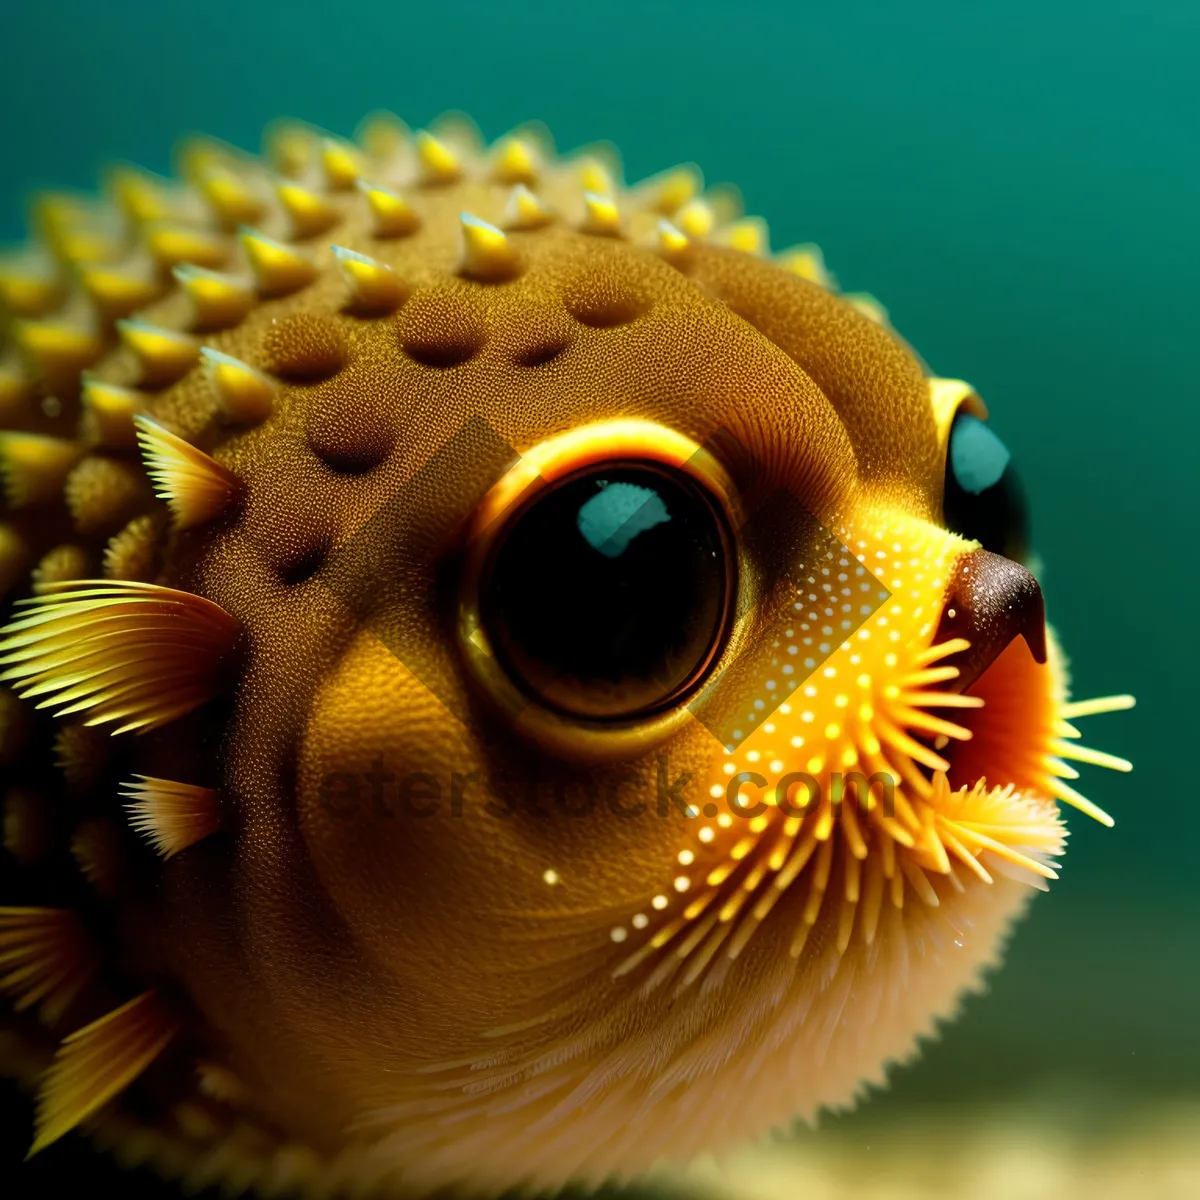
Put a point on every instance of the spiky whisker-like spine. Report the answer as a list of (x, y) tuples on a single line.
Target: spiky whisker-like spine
[(438, 162), (309, 212), (45, 959), (524, 210), (163, 355), (841, 856), (516, 160), (98, 1062), (218, 301), (194, 485), (127, 653), (391, 214), (170, 815), (111, 409), (601, 215), (278, 269)]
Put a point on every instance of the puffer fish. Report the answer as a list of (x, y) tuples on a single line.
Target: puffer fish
[(507, 681)]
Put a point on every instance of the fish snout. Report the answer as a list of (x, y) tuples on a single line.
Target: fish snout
[(990, 601)]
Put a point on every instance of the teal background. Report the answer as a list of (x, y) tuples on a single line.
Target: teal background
[(1018, 183)]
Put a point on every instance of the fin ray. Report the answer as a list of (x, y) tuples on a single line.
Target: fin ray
[(170, 816), (44, 959), (108, 674), (98, 1062), (195, 486)]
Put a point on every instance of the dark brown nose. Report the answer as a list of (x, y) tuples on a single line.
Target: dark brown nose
[(991, 600)]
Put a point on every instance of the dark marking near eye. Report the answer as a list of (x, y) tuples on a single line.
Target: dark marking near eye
[(305, 348), (602, 302), (441, 329), (353, 423), (303, 566), (542, 353), (354, 459)]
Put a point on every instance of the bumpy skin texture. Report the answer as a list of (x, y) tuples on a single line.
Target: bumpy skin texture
[(385, 1002)]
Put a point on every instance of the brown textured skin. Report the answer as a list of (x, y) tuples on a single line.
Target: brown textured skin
[(318, 695), (345, 964)]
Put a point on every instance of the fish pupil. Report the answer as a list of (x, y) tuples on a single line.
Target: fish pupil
[(608, 594), (982, 497)]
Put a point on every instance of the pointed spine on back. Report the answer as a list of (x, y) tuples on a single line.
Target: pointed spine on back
[(601, 215), (29, 289), (163, 355), (232, 200), (244, 395), (436, 161), (374, 286), (33, 468), (58, 350), (278, 269), (341, 164), (516, 160), (110, 409), (218, 301), (670, 190), (61, 563), (391, 215), (170, 244), (808, 262), (487, 253), (523, 210), (310, 212), (750, 235), (674, 245), (117, 291), (134, 552)]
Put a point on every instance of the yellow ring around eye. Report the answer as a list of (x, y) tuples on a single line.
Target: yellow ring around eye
[(559, 456), (946, 398), (539, 468)]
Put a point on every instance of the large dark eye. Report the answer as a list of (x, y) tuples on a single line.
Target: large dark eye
[(983, 499), (609, 593)]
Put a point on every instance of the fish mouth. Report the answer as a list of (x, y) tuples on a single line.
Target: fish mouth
[(994, 606), (1012, 731), (934, 804)]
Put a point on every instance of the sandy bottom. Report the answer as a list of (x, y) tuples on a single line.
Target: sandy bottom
[(1049, 1147)]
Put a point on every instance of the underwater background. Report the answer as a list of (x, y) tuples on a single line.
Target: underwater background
[(1019, 184)]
